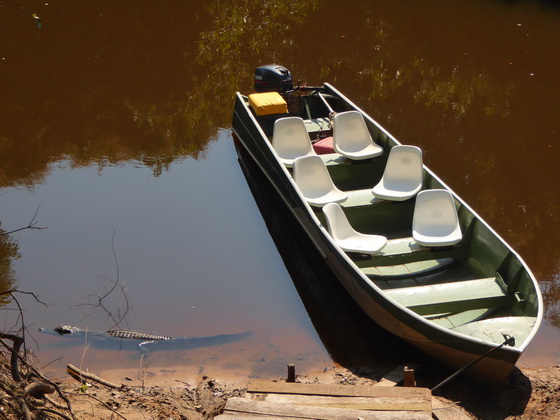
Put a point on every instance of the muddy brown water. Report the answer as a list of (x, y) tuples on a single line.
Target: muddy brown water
[(115, 124)]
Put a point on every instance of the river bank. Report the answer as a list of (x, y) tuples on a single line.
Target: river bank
[(529, 394)]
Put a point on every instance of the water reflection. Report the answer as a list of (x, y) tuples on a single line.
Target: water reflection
[(83, 83), (194, 258), (101, 93), (8, 253), (103, 98)]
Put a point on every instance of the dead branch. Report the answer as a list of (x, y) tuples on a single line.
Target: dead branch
[(22, 329), (99, 300), (7, 389), (24, 408), (38, 390), (30, 397), (38, 375), (18, 341), (21, 292), (28, 390), (79, 375), (54, 403), (30, 225)]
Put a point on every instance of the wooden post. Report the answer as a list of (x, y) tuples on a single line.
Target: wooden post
[(409, 379), (291, 373)]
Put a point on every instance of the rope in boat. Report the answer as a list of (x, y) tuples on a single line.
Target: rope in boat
[(509, 341)]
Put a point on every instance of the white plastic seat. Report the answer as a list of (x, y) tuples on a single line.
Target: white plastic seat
[(402, 177), (435, 221), (345, 235), (314, 182), (351, 137), (291, 140)]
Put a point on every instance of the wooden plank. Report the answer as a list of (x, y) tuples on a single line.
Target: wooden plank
[(356, 403), (244, 407), (447, 410), (396, 376), (335, 390)]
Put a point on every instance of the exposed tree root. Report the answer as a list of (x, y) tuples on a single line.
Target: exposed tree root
[(26, 389)]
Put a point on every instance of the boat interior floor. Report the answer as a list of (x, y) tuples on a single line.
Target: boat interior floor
[(452, 298)]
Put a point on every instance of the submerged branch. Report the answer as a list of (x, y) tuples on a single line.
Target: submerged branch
[(99, 301), (30, 225)]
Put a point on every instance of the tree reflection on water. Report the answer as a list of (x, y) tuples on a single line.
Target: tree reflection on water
[(162, 98), (153, 83), (9, 251)]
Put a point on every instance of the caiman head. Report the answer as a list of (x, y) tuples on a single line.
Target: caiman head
[(66, 329)]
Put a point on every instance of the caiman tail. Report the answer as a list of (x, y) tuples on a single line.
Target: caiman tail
[(134, 335), (198, 342)]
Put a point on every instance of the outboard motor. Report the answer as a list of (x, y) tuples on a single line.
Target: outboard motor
[(273, 78)]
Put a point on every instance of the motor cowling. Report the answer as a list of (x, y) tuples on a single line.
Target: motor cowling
[(273, 78)]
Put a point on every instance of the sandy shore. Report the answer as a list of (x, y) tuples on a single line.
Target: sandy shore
[(531, 393)]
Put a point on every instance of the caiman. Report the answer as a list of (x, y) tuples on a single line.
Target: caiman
[(116, 339)]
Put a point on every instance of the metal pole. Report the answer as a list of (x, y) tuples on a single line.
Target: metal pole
[(326, 103)]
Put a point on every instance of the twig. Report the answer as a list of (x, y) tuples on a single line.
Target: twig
[(183, 382), (48, 410), (86, 348), (143, 371), (12, 293), (55, 404), (30, 225), (106, 405), (118, 318), (52, 361)]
